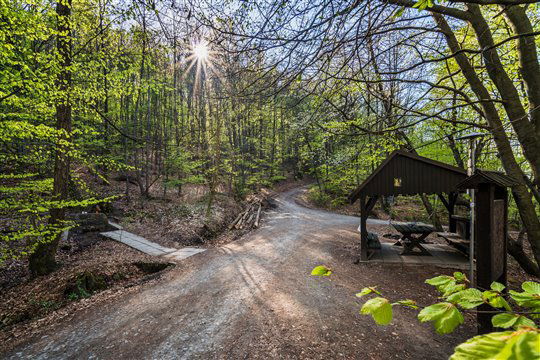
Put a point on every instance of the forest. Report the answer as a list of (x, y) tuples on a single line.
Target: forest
[(159, 97)]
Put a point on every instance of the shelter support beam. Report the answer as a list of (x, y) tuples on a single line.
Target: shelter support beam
[(450, 205), (366, 205)]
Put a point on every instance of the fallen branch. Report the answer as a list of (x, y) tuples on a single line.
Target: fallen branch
[(251, 217), (258, 215), (235, 221)]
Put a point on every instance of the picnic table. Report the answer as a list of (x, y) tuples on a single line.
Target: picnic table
[(413, 234)]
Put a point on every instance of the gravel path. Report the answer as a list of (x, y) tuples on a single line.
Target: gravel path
[(254, 298)]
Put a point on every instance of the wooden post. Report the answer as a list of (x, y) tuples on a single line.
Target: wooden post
[(363, 228), (366, 205), (452, 198), (450, 205), (490, 234)]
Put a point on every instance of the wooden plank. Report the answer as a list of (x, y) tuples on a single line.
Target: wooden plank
[(447, 235), (184, 253), (137, 242)]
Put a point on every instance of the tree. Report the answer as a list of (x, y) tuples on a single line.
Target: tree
[(42, 260), (335, 42)]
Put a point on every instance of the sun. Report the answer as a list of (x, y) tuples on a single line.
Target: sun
[(200, 62), (200, 51)]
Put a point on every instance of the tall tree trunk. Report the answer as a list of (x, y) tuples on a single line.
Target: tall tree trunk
[(42, 261), (515, 248), (528, 59), (520, 192), (273, 144), (214, 116), (517, 115)]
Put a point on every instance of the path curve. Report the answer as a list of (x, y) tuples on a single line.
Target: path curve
[(252, 298)]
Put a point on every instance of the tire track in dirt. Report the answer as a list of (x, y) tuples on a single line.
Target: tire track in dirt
[(252, 298)]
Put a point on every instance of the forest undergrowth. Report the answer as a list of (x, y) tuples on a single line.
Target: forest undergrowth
[(92, 268)]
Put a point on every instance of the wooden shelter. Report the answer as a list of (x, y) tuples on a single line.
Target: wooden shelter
[(405, 173)]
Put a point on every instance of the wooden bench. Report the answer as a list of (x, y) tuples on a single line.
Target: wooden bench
[(413, 234), (456, 241), (373, 244)]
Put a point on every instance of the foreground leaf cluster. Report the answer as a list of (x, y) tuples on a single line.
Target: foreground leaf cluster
[(521, 341)]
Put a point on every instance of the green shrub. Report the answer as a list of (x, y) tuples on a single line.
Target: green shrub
[(277, 178), (318, 198), (339, 201)]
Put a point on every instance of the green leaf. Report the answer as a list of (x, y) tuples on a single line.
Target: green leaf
[(407, 303), (467, 299), (495, 299), (367, 290), (531, 287), (380, 309), (451, 289), (529, 298), (525, 299), (433, 312), (420, 4), (445, 317), (363, 292), (504, 320), (440, 280), (448, 285), (497, 286), (518, 345), (524, 321), (460, 276), (321, 270), (445, 284), (399, 12), (500, 302)]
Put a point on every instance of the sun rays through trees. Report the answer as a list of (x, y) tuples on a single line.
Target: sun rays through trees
[(243, 94)]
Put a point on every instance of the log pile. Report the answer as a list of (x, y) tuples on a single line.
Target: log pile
[(250, 218)]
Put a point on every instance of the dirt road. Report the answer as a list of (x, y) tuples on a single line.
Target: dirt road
[(254, 298)]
